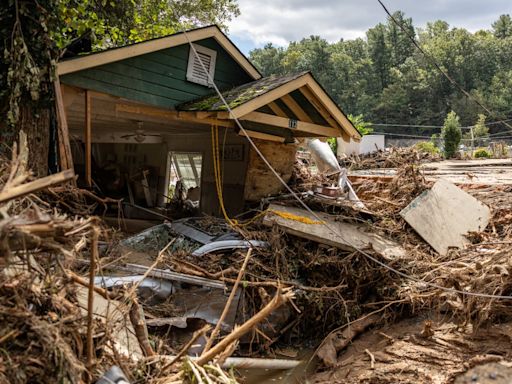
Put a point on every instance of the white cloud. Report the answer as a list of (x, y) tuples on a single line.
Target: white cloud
[(282, 21)]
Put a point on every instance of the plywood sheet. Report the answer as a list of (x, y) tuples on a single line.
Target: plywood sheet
[(327, 231), (444, 214)]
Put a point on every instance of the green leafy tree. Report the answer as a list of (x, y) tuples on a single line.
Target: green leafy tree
[(451, 134), (268, 59), (503, 27), (400, 45), (480, 132), (34, 33), (364, 127), (379, 53)]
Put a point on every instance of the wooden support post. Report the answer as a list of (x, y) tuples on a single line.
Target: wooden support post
[(65, 156), (87, 135)]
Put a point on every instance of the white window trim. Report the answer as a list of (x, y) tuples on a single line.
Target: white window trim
[(192, 57)]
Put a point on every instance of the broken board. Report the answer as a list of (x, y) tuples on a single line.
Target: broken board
[(443, 215), (336, 233), (115, 314)]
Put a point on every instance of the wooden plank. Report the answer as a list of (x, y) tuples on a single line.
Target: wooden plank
[(277, 109), (443, 215), (296, 108), (145, 83), (36, 185), (88, 139), (282, 122), (349, 131), (336, 233), (262, 136), (82, 81), (65, 155), (169, 115)]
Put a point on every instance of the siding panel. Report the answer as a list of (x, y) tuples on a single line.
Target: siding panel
[(158, 78)]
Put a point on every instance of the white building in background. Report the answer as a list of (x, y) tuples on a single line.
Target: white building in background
[(368, 144)]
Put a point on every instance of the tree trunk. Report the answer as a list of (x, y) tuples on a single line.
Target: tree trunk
[(36, 124)]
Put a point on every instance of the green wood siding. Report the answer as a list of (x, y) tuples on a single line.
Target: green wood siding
[(158, 78)]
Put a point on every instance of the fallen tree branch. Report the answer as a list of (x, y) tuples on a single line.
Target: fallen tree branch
[(228, 303), (281, 297), (141, 331), (36, 185)]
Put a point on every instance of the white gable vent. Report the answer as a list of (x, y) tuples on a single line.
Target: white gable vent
[(195, 71)]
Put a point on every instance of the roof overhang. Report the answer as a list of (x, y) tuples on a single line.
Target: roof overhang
[(116, 54), (335, 122)]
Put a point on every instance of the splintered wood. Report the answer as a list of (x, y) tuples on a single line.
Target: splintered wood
[(343, 235), (443, 216)]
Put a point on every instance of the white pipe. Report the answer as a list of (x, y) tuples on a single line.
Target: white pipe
[(247, 362), (323, 156)]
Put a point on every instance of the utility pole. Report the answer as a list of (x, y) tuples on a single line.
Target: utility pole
[(472, 141)]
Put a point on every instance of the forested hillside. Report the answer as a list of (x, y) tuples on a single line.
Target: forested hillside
[(389, 80)]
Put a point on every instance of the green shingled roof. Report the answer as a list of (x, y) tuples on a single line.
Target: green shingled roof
[(239, 95)]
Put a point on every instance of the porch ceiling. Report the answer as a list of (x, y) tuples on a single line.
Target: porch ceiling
[(113, 115)]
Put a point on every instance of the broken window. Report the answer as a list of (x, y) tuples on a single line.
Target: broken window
[(185, 176)]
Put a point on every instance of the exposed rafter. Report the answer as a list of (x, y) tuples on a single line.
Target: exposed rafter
[(296, 108), (277, 109), (282, 122)]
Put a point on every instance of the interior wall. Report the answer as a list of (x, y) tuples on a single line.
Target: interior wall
[(234, 168), (126, 160)]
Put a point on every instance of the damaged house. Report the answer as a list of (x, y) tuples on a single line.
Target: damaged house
[(146, 125)]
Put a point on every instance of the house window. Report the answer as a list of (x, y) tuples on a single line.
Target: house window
[(185, 176), (195, 71)]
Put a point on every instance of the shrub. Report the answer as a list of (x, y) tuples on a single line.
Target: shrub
[(481, 153), (428, 147), (451, 134)]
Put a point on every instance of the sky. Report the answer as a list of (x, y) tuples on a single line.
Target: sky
[(282, 21)]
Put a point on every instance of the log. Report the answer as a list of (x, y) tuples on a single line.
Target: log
[(36, 185)]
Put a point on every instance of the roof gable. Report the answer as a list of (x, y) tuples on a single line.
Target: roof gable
[(159, 78), (96, 59), (295, 102)]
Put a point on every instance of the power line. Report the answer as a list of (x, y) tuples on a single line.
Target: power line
[(436, 126), (434, 63), (306, 207)]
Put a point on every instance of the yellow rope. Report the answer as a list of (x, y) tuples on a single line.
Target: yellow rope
[(291, 216), (217, 173), (218, 184)]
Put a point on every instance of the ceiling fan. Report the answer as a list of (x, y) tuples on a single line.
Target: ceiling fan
[(139, 135)]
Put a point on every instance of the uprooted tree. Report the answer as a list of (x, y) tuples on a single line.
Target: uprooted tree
[(35, 34)]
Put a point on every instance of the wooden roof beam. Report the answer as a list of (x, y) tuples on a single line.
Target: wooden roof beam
[(267, 97), (277, 109), (296, 108), (294, 125), (169, 115), (308, 94), (262, 136)]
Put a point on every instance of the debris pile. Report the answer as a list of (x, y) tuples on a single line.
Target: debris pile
[(385, 280), (390, 158), (63, 323)]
